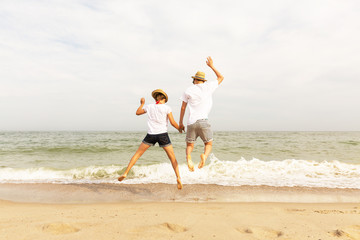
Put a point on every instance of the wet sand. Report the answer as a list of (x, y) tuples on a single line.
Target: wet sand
[(94, 193), (160, 211)]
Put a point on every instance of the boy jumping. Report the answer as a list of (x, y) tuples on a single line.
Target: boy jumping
[(199, 99)]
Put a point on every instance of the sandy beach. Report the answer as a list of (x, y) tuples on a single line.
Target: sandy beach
[(179, 221), (197, 212)]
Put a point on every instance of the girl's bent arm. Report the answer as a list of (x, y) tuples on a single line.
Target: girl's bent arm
[(140, 109)]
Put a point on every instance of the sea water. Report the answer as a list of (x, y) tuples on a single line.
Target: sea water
[(306, 159)]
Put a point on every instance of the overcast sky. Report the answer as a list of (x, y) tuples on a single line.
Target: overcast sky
[(84, 64)]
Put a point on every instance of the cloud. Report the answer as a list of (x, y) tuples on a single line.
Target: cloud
[(83, 65)]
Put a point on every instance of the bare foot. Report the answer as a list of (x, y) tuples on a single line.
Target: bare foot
[(179, 184), (122, 177), (190, 163), (202, 161)]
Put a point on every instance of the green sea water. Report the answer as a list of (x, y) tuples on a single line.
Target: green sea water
[(75, 149), (238, 158)]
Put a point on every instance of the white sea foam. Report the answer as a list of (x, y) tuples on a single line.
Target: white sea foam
[(331, 174)]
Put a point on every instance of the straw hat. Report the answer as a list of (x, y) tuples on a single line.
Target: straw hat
[(157, 91), (200, 76)]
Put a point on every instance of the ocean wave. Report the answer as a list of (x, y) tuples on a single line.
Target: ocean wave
[(290, 173), (354, 143)]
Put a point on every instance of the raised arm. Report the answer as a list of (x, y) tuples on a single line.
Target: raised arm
[(210, 63), (140, 109), (182, 113)]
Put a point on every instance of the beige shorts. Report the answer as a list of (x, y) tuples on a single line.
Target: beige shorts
[(201, 128)]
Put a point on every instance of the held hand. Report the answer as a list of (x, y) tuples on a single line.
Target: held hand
[(142, 101), (210, 62), (181, 128)]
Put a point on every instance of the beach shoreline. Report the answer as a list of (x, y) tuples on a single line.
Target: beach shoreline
[(160, 192)]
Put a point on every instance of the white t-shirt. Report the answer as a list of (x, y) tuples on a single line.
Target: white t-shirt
[(157, 117), (199, 100)]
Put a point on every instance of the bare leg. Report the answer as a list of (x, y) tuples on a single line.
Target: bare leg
[(142, 148), (170, 153), (189, 149), (204, 156)]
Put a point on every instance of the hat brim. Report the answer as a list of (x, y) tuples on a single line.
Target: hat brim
[(157, 91), (197, 78)]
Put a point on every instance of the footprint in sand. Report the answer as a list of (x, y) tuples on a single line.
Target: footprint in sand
[(164, 227), (354, 211), (261, 233), (352, 232), (337, 233), (59, 228), (295, 210), (329, 211), (173, 227)]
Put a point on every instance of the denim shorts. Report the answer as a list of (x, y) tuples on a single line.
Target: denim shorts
[(201, 128), (163, 139)]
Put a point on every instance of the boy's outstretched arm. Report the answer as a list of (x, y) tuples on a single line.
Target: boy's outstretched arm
[(140, 109), (182, 113), (210, 63), (173, 123)]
